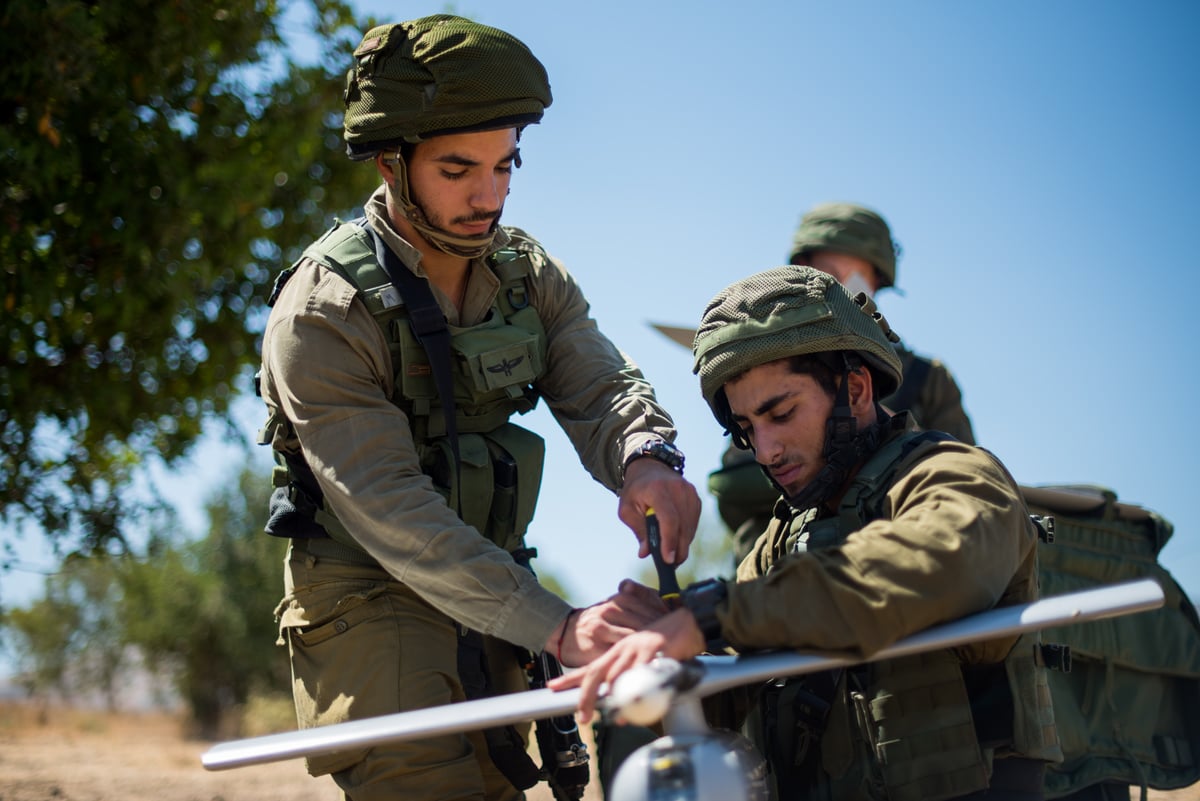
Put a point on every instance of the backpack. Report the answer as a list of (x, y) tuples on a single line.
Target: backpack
[(1127, 705)]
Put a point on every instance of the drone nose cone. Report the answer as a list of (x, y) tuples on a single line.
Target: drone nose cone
[(642, 695)]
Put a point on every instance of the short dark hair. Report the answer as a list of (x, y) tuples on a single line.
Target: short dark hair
[(821, 371)]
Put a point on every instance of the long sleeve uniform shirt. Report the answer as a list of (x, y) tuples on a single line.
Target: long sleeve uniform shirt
[(327, 369), (955, 539)]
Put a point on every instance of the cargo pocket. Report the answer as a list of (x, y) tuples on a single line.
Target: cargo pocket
[(332, 681)]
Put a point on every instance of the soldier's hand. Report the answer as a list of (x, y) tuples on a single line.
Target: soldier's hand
[(676, 635), (650, 484), (591, 631)]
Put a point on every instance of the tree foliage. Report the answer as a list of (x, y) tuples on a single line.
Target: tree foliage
[(161, 162), (196, 612), (201, 612), (70, 639)]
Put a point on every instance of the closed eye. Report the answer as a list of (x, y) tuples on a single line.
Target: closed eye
[(784, 416)]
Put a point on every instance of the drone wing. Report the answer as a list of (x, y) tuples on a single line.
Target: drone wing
[(467, 716), (720, 673)]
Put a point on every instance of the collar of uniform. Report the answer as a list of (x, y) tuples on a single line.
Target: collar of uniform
[(901, 422), (482, 284), (377, 214)]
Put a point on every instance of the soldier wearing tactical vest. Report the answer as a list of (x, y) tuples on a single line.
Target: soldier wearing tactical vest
[(397, 349), (853, 244), (883, 529)]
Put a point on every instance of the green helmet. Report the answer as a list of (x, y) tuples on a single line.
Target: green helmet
[(789, 311), (438, 75), (848, 228)]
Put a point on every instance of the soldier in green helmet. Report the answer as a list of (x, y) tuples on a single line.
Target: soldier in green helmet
[(397, 350), (854, 244), (883, 529)]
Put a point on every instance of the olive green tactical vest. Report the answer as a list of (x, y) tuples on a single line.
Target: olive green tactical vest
[(494, 367), (906, 729)]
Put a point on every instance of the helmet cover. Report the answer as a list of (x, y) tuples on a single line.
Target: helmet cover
[(437, 75), (848, 228), (790, 311)]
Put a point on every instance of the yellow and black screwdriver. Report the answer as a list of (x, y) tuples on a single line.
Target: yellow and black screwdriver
[(668, 585)]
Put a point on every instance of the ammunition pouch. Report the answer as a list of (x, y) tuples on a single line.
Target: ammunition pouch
[(292, 512), (787, 725), (494, 365), (501, 474), (919, 721)]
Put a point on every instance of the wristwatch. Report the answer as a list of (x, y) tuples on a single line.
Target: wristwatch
[(661, 450), (702, 599)]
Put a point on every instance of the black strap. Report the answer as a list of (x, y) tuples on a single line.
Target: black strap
[(429, 327), (505, 746)]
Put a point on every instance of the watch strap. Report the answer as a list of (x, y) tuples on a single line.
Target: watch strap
[(702, 600), (658, 449)]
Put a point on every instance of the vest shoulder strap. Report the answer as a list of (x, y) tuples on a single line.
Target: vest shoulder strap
[(863, 501), (341, 249), (513, 265)]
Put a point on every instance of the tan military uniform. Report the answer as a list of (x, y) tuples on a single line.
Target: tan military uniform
[(954, 538), (327, 369)]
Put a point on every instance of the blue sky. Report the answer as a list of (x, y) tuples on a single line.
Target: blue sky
[(1037, 162)]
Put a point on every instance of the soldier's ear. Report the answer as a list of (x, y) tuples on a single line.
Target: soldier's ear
[(385, 167), (862, 389)]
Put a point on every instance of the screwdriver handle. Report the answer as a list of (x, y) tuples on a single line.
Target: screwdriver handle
[(668, 584)]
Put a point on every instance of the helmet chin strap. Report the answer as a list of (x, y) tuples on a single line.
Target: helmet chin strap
[(845, 446), (467, 247)]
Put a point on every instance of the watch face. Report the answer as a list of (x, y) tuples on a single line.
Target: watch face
[(661, 451), (665, 452)]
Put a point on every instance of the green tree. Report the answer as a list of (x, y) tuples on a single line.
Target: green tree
[(200, 612), (70, 640), (161, 161)]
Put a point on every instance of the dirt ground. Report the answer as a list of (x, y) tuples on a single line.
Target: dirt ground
[(86, 755)]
